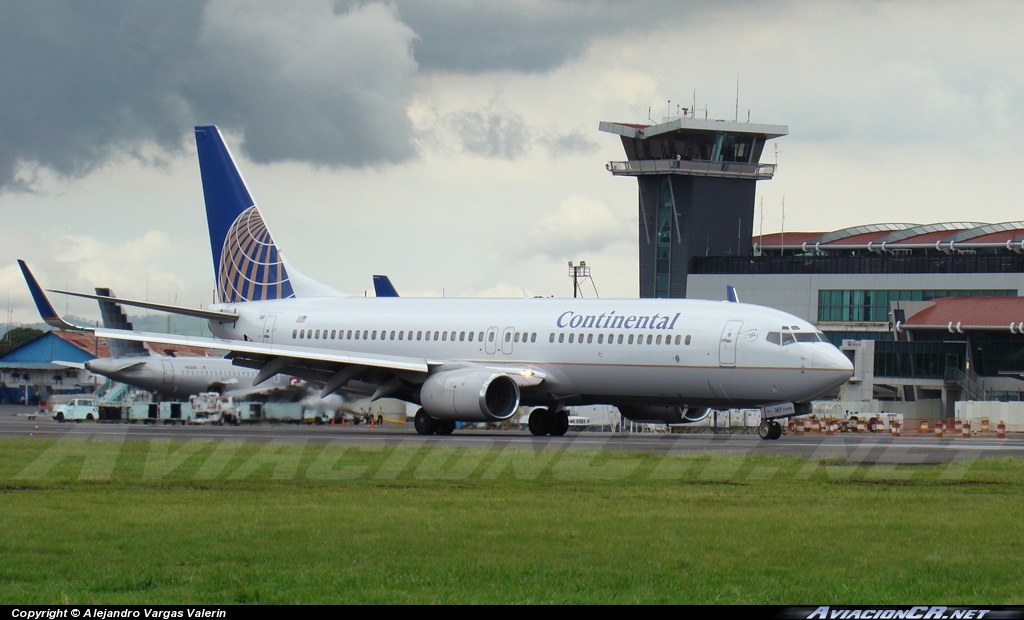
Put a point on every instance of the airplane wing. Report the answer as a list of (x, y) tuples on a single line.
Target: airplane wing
[(240, 349), (370, 374)]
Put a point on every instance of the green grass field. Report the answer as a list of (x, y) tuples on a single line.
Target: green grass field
[(221, 523)]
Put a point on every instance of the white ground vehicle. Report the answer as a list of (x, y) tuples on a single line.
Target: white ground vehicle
[(77, 410)]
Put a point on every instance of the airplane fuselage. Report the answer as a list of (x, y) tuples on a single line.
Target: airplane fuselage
[(682, 352), (177, 377)]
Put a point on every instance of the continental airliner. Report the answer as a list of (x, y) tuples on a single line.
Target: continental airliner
[(479, 360)]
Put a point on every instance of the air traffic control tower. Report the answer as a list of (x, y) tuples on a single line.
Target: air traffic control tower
[(696, 179)]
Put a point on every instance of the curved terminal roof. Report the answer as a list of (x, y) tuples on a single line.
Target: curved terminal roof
[(941, 235), (969, 313)]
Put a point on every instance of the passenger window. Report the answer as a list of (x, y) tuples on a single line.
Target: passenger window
[(444, 336), (572, 338), (551, 338), (600, 339), (620, 338), (630, 338), (295, 333), (561, 337), (658, 340), (650, 338), (687, 338), (590, 338), (533, 337), (490, 337), (334, 333)]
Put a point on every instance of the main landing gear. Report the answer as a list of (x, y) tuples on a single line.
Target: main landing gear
[(549, 422), (426, 425), (769, 429)]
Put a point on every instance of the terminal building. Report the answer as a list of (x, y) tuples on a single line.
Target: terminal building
[(930, 313)]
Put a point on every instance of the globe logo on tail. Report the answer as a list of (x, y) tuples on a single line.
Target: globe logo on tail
[(251, 268)]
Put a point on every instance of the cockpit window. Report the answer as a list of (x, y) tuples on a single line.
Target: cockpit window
[(783, 338)]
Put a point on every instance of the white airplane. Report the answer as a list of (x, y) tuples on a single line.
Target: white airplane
[(478, 360)]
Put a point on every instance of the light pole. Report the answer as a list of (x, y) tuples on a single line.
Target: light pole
[(578, 272)]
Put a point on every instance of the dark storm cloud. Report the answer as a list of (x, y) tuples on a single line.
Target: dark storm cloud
[(310, 80), (82, 82), (79, 81), (468, 36)]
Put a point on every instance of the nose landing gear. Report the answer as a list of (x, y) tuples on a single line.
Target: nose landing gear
[(769, 429)]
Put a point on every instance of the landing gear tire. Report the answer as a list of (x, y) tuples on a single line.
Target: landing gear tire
[(445, 427), (769, 429), (559, 423), (541, 422), (425, 425)]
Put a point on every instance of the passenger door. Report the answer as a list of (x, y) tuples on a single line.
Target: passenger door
[(727, 345)]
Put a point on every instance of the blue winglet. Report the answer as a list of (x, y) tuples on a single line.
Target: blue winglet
[(731, 294), (383, 287), (43, 304)]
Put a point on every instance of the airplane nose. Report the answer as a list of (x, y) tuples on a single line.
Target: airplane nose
[(834, 367)]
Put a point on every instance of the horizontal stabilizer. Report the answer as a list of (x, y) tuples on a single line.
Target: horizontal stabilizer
[(210, 315)]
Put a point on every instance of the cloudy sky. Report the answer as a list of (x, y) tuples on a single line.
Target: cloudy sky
[(454, 144)]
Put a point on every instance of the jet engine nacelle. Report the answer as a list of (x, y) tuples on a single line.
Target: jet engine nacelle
[(470, 395), (666, 414)]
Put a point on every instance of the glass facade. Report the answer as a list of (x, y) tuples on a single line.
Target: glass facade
[(996, 352), (872, 306), (918, 360)]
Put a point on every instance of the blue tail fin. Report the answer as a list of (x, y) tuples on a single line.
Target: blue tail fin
[(114, 317), (247, 264), (383, 287)]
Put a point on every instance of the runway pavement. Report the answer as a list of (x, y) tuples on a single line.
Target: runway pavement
[(861, 449)]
